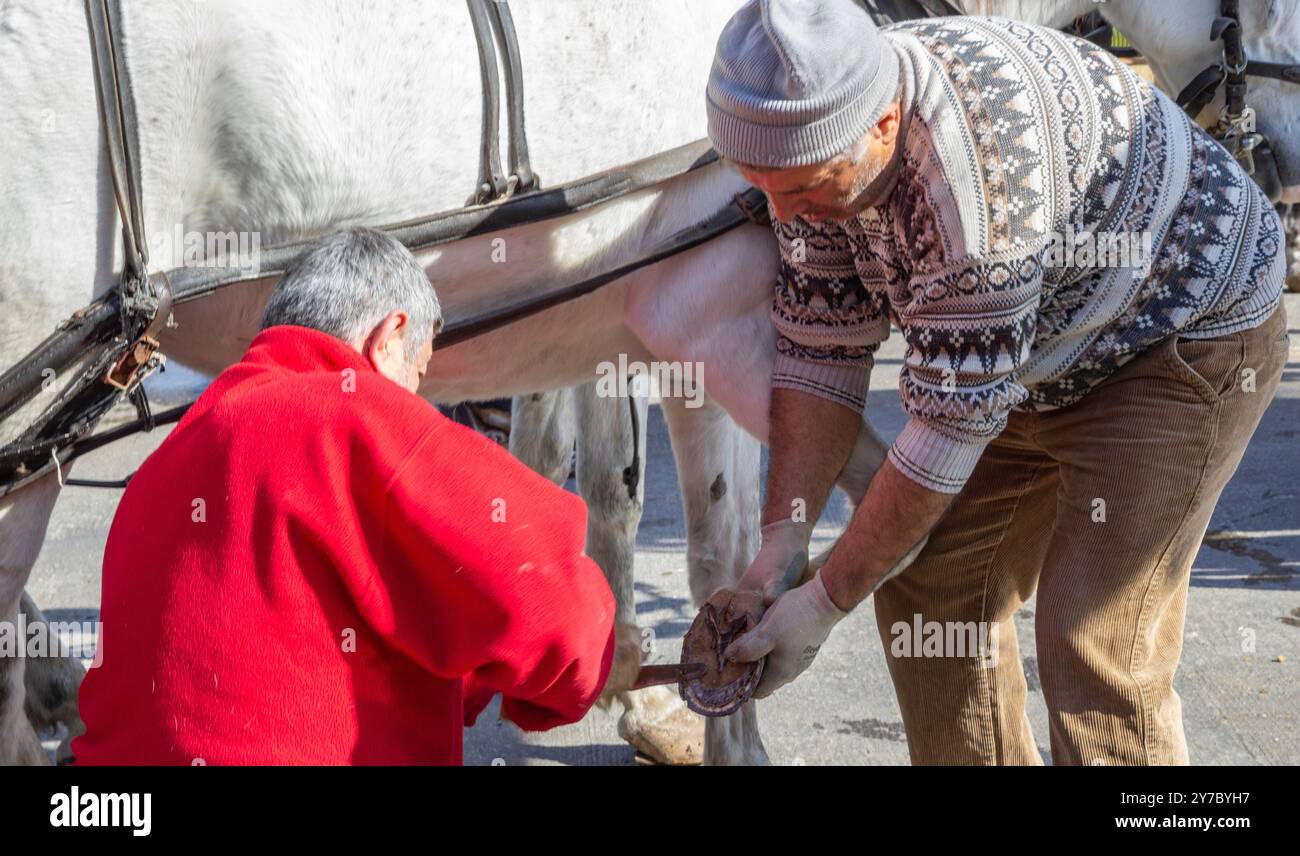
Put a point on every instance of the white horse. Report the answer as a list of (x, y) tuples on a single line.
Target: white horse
[(297, 118)]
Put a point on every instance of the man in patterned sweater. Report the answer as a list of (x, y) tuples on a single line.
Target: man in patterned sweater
[(1088, 287)]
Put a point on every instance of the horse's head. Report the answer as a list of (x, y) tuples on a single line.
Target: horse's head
[(1175, 38)]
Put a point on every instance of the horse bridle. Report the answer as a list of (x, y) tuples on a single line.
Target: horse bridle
[(1235, 128)]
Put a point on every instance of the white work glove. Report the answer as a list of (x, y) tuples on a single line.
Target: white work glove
[(780, 561), (790, 634)]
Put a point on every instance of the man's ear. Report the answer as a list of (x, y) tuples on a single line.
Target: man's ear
[(380, 344), (887, 126)]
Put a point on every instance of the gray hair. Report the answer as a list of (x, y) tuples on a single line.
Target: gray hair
[(348, 282)]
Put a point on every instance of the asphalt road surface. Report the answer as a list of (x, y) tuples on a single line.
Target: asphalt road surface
[(1238, 678)]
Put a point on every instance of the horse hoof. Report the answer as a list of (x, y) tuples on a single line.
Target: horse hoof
[(724, 686), (21, 747), (658, 725), (51, 682), (51, 692), (63, 755)]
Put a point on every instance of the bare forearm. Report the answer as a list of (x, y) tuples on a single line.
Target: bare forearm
[(894, 515), (811, 439)]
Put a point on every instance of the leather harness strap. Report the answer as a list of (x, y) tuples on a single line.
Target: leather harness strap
[(145, 302), (1233, 69), (117, 113), (494, 29), (725, 220), (1200, 91), (115, 338), (1235, 128), (491, 182), (1227, 27), (521, 171)]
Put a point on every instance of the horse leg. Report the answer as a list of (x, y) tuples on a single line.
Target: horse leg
[(24, 518), (51, 683), (611, 478), (542, 432), (654, 720), (718, 471)]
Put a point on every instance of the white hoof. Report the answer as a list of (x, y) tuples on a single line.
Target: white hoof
[(659, 725)]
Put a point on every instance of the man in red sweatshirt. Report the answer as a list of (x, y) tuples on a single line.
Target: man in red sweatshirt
[(316, 567)]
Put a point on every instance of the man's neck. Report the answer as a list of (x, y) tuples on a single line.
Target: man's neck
[(882, 186)]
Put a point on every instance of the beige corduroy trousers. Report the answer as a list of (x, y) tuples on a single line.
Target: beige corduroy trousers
[(1100, 507)]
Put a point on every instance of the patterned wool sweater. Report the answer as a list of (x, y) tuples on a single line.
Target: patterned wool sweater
[(1014, 141)]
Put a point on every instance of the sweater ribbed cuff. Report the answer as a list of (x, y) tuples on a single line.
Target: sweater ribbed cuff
[(846, 385), (935, 460)]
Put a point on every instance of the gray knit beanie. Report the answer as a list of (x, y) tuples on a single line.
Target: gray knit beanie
[(796, 82)]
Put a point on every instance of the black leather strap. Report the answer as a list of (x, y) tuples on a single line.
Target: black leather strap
[(1200, 91), (521, 170), (1273, 70), (494, 30), (117, 113), (491, 180), (726, 219), (1228, 28), (115, 337)]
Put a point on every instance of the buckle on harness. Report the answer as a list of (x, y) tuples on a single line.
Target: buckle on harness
[(126, 373), (1238, 135)]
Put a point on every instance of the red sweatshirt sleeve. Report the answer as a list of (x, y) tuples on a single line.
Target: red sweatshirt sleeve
[(485, 580)]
